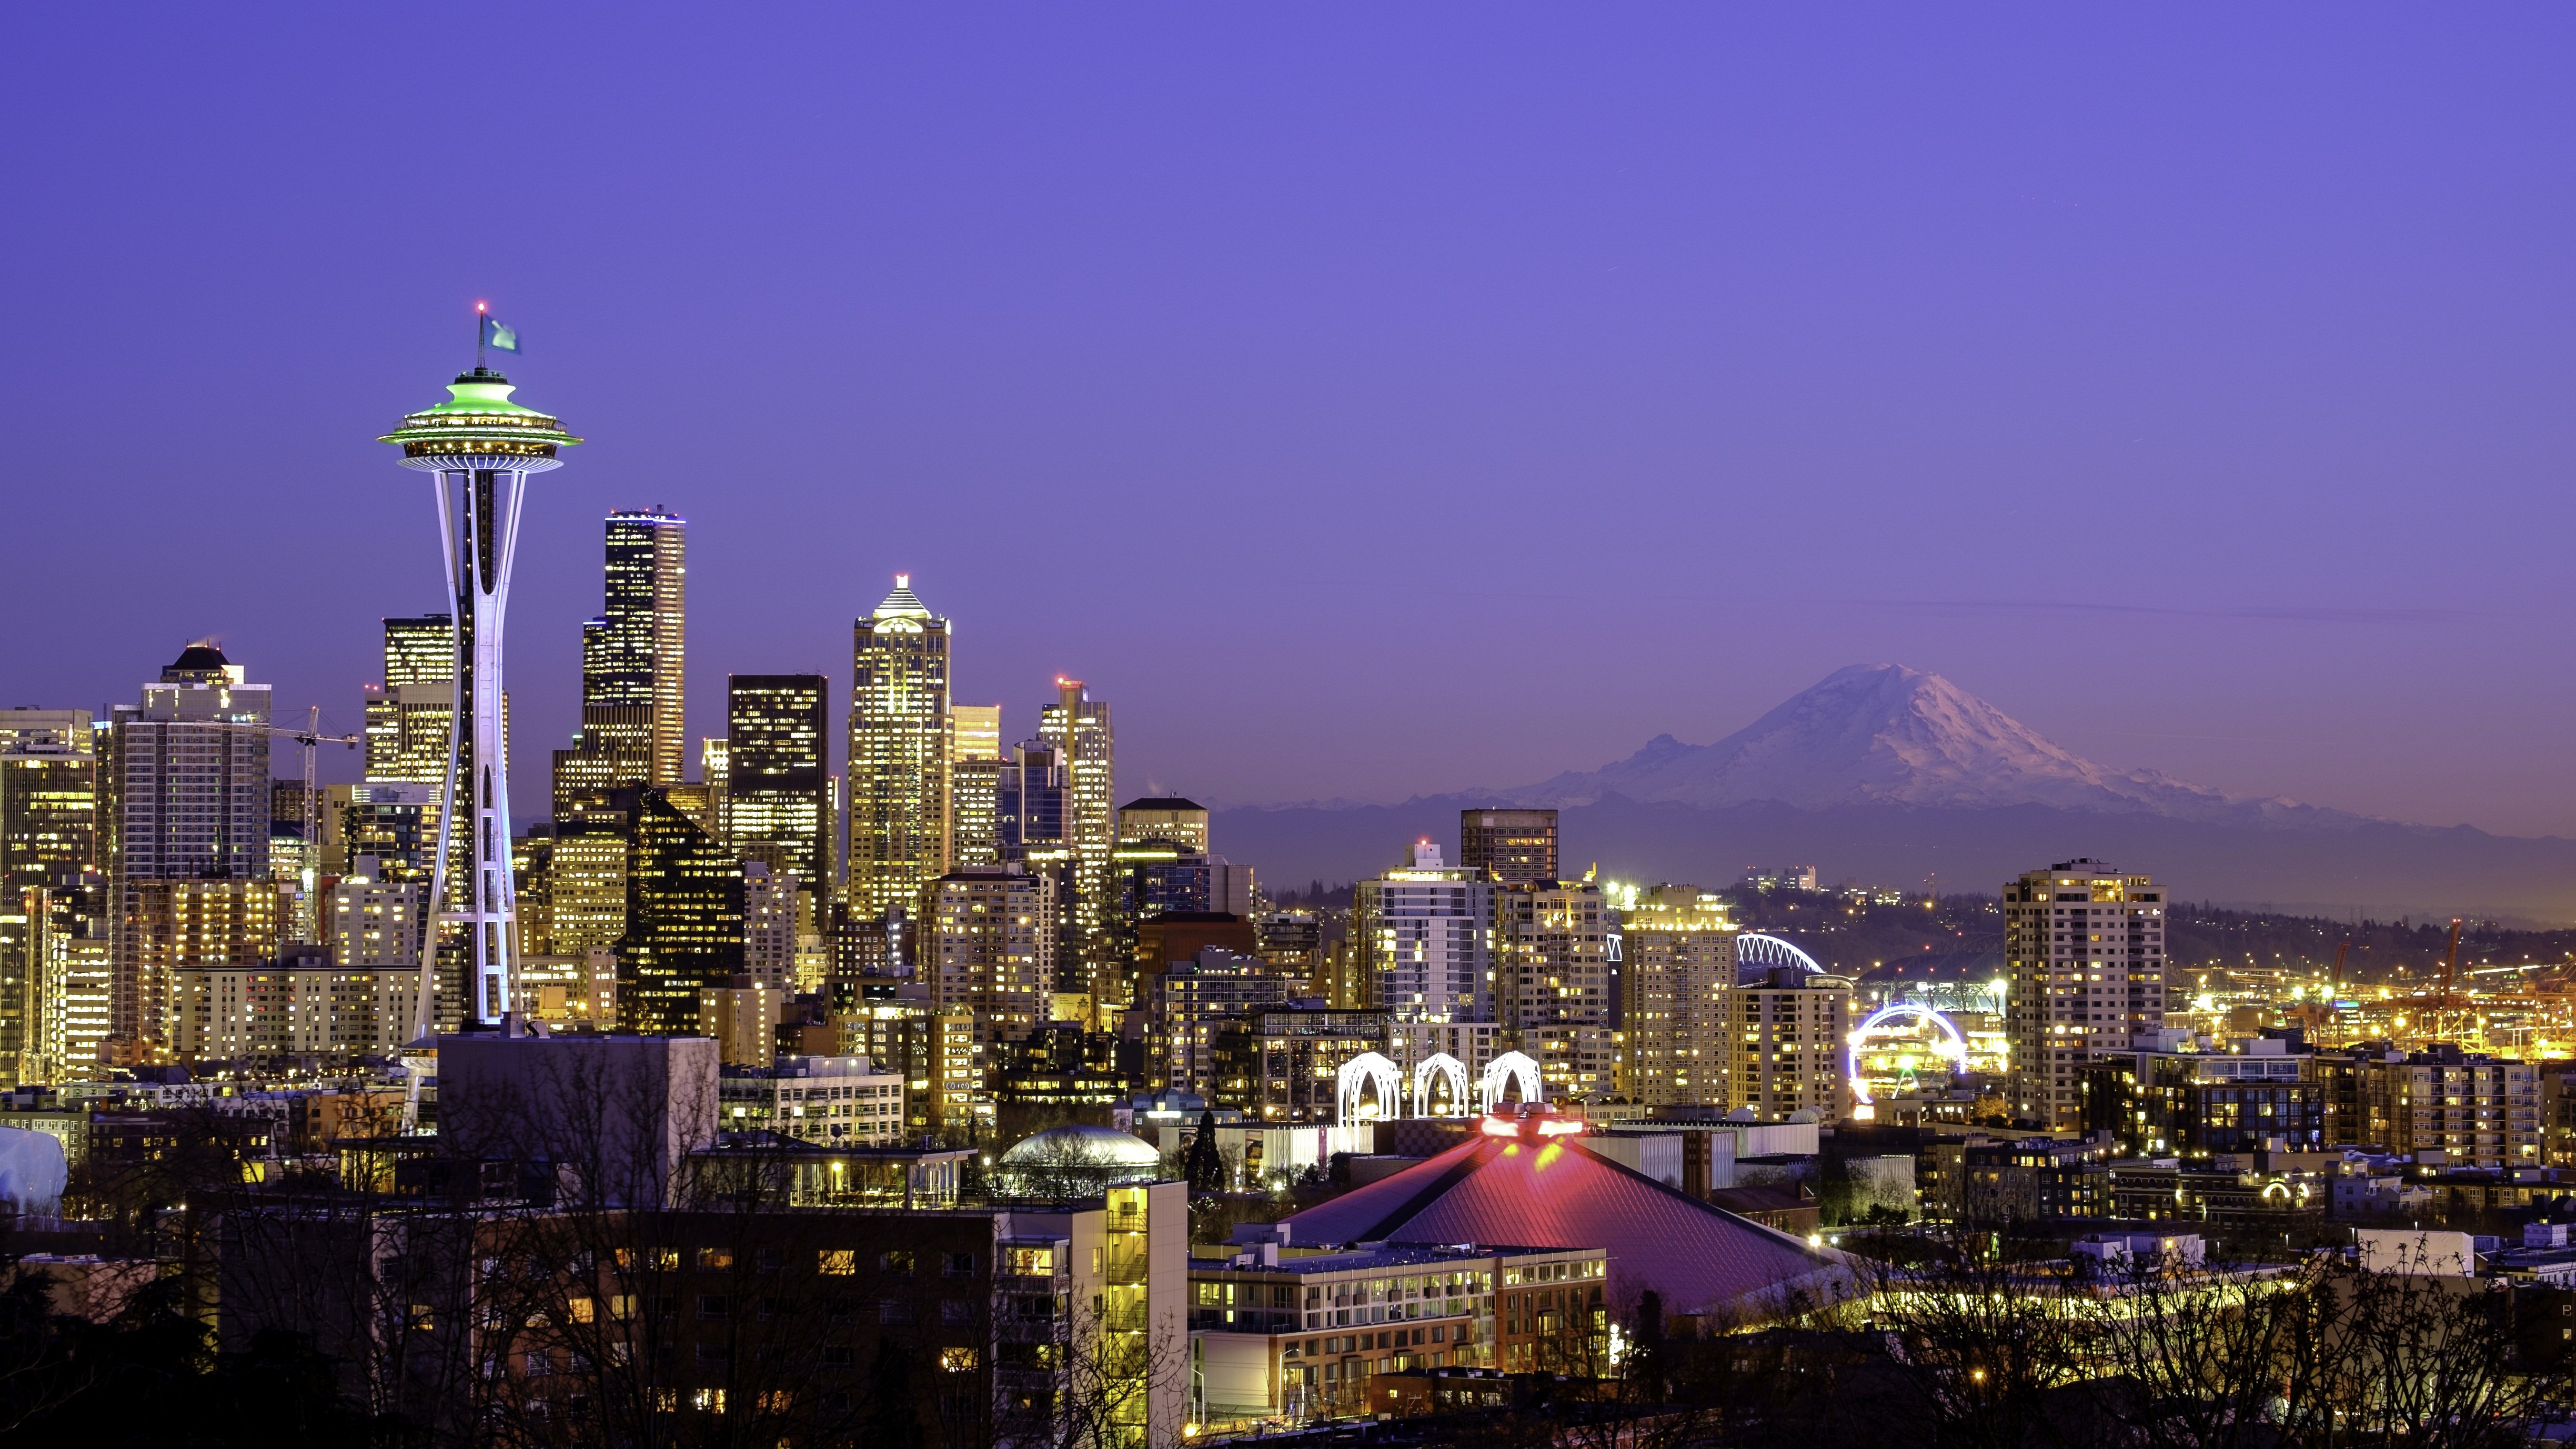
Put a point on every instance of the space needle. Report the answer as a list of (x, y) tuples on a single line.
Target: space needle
[(480, 449)]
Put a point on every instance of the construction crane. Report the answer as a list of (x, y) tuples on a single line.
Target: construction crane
[(2450, 973), (311, 738)]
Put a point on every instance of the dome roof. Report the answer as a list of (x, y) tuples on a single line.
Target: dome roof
[(1078, 1144)]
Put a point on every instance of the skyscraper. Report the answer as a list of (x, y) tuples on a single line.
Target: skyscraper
[(77, 976), (1517, 846), (1424, 931), (613, 750), (1164, 817), (989, 947), (1680, 962), (1787, 1037), (777, 801), (1552, 982), (1078, 727), (636, 652), (189, 769), (48, 834), (684, 918), (409, 714), (975, 767), (1029, 805), (898, 763), (2084, 961)]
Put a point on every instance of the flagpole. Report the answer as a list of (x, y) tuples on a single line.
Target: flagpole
[(479, 330)]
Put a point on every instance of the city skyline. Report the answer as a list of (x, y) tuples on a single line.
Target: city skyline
[(1647, 724), (1802, 320)]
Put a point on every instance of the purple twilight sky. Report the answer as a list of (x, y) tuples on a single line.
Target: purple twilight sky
[(1367, 400)]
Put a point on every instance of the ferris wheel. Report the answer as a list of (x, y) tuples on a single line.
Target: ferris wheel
[(1947, 1045)]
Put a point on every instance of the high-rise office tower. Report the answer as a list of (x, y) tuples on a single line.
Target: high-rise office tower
[(1164, 817), (532, 862), (1787, 1036), (1157, 878), (768, 925), (188, 767), (683, 918), (1517, 846), (294, 861), (409, 714), (586, 882), (1425, 933), (1680, 961), (2084, 962), (76, 974), (192, 761), (48, 835), (777, 808), (1029, 805), (975, 765), (898, 762), (480, 449), (635, 653), (1552, 982), (1293, 943), (1029, 817), (613, 750), (1078, 727), (989, 947), (374, 922)]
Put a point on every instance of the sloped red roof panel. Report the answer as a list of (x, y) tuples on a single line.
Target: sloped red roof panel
[(1556, 1194)]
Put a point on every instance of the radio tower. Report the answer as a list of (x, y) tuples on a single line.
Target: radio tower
[(480, 448)]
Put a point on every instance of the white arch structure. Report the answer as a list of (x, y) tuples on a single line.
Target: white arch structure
[(1432, 1070), (1368, 1069), (1506, 1069), (1952, 1046), (1757, 952)]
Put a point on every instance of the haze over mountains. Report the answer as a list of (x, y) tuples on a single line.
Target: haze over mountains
[(1893, 775)]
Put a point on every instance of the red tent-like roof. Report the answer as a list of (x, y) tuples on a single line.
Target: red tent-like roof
[(1531, 1192)]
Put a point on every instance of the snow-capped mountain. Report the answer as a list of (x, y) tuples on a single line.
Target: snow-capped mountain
[(1888, 774), (1892, 774), (1886, 734)]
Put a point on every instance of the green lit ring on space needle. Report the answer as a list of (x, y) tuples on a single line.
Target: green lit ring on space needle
[(478, 427)]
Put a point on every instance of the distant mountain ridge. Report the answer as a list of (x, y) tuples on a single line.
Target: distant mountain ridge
[(1886, 734), (1897, 776)]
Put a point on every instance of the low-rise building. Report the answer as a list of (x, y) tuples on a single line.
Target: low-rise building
[(1015, 1324), (1285, 1066), (1282, 1334), (2471, 1108), (2030, 1179), (2227, 1189), (301, 1003), (2195, 1104), (831, 1101)]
